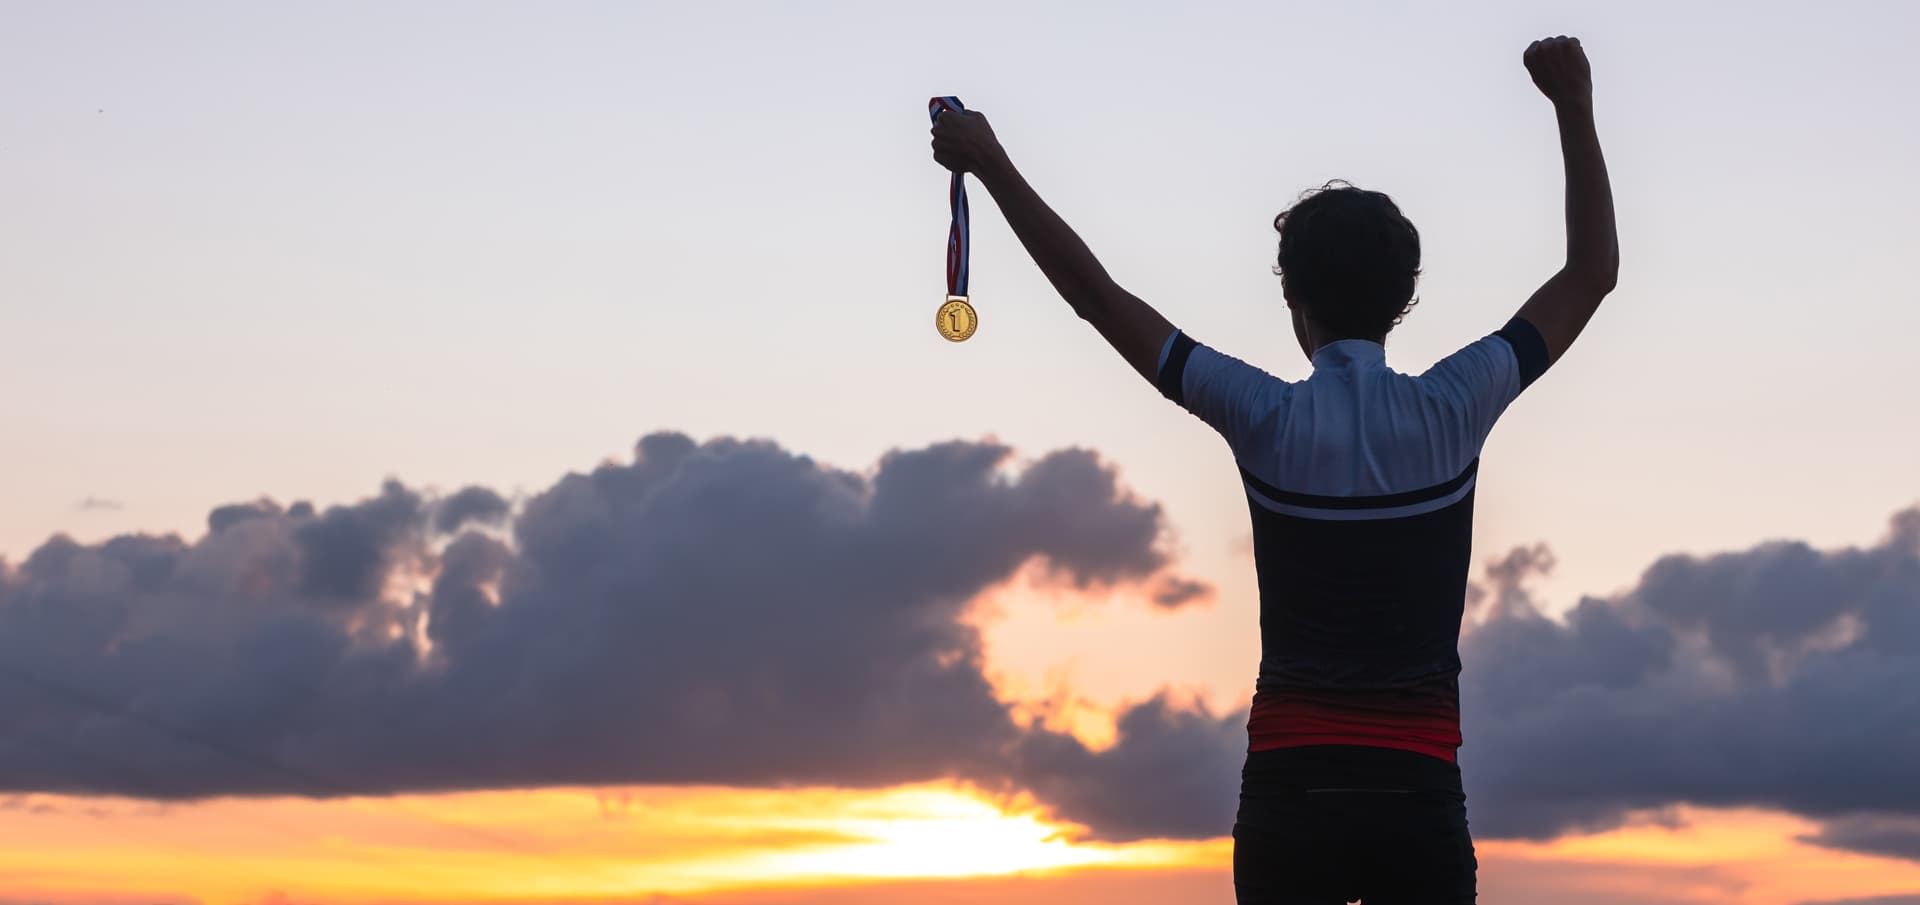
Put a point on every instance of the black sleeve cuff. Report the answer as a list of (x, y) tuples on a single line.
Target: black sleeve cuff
[(1529, 348), (1173, 372)]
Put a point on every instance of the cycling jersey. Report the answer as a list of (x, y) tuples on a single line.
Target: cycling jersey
[(1360, 481)]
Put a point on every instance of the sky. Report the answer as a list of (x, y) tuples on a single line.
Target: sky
[(468, 452)]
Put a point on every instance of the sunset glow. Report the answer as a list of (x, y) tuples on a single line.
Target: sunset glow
[(544, 844), (560, 844)]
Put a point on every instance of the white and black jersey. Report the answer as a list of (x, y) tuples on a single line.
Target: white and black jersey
[(1360, 481)]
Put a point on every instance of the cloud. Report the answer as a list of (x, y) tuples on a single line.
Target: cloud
[(472, 505), (727, 612), (223, 517), (347, 552), (732, 612), (1893, 836), (1173, 771), (1780, 676), (99, 504), (1175, 592)]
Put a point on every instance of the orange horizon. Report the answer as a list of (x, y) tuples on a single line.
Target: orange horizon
[(719, 846)]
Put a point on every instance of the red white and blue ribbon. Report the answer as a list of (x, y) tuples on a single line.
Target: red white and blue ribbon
[(957, 242)]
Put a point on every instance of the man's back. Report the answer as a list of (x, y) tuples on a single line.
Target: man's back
[(1360, 482)]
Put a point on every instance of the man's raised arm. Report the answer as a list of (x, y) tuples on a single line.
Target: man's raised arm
[(964, 142), (1560, 308)]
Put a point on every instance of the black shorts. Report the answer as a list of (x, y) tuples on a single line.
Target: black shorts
[(1329, 824)]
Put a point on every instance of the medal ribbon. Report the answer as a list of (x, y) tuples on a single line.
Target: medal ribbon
[(957, 243)]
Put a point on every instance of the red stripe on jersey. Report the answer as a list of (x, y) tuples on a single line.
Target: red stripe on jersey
[(1422, 719)]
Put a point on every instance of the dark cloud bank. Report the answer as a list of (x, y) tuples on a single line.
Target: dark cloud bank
[(727, 612), (1779, 676), (735, 613)]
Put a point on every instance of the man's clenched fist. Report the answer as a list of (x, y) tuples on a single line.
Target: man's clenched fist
[(1559, 69), (963, 141)]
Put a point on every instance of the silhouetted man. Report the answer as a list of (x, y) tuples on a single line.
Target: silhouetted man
[(1360, 481)]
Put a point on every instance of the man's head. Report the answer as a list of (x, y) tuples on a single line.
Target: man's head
[(1348, 262)]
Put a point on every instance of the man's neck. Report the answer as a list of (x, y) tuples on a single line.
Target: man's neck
[(1315, 338)]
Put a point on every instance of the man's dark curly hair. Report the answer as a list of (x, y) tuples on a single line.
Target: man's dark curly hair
[(1350, 258)]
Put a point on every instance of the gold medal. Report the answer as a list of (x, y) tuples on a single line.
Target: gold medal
[(956, 320)]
